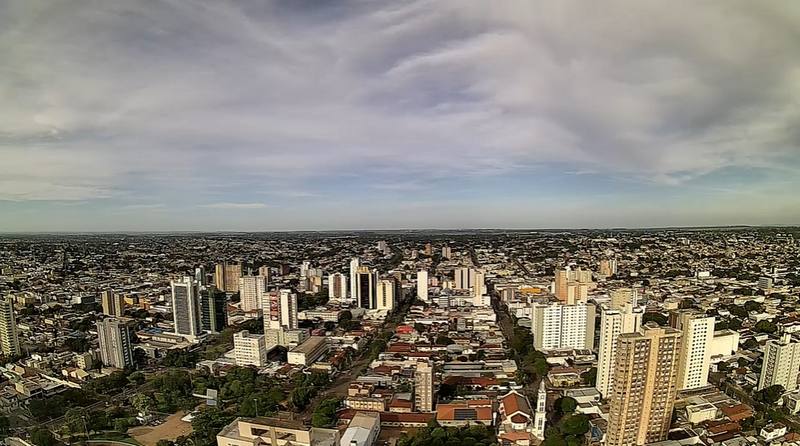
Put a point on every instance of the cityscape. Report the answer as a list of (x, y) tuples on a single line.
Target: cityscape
[(399, 223), (662, 337)]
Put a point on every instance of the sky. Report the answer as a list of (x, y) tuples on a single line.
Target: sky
[(178, 115)]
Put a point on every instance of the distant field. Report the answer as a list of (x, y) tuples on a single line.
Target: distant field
[(170, 429)]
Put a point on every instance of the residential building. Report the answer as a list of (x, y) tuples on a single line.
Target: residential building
[(385, 294), (644, 386), (115, 342), (422, 285), (9, 339), (423, 387), (226, 277), (781, 364), (613, 322), (355, 263), (251, 292), (559, 326), (249, 349), (113, 303), (695, 358), (337, 286), (365, 289), (621, 297)]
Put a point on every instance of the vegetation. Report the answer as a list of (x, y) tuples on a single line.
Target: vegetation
[(532, 362), (436, 435), (325, 414), (569, 431)]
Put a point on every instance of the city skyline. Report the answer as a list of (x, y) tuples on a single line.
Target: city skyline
[(212, 116)]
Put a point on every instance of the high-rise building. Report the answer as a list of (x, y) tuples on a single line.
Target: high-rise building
[(265, 271), (558, 326), (249, 349), (781, 364), (540, 414), (337, 286), (200, 275), (644, 387), (428, 249), (572, 286), (385, 294), (251, 292), (9, 339), (186, 307), (213, 309), (355, 263), (113, 303), (280, 315), (447, 253), (288, 309), (423, 387), (366, 287), (608, 267), (422, 285), (623, 296), (697, 331), (464, 278), (613, 322), (115, 342), (479, 285), (226, 277), (304, 269)]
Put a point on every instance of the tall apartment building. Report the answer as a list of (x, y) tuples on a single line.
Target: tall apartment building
[(479, 284), (9, 339), (644, 387), (695, 357), (249, 349), (613, 322), (251, 292), (186, 307), (623, 296), (213, 309), (422, 285), (200, 275), (464, 278), (447, 252), (280, 315), (423, 387), (560, 326), (385, 294), (115, 342), (355, 263), (113, 303), (365, 289), (337, 286), (428, 249), (572, 286), (265, 271), (226, 277), (781, 364)]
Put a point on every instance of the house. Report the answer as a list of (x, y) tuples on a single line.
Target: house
[(465, 413), (515, 413)]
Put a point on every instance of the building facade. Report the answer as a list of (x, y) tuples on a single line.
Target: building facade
[(613, 322), (115, 336), (781, 364)]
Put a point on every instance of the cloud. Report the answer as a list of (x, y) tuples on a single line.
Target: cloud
[(234, 206), (182, 99)]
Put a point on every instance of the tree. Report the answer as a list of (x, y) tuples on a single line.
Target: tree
[(771, 394), (750, 344), (752, 306), (575, 425), (5, 425), (76, 420), (658, 318), (590, 377), (566, 405), (444, 340), (329, 325), (43, 437), (325, 414), (766, 327), (142, 403), (121, 425)]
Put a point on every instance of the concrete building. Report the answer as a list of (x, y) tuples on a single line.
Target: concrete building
[(365, 289), (781, 364), (186, 307), (572, 286), (249, 349), (540, 414), (213, 309), (559, 326), (113, 303), (280, 314), (9, 339), (423, 387), (697, 331), (422, 285), (644, 386), (623, 296), (275, 432), (115, 342), (309, 351), (337, 286), (464, 278), (251, 292), (226, 277), (355, 263), (613, 322), (363, 430), (385, 294)]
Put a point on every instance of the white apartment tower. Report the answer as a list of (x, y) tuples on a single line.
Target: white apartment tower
[(9, 339), (113, 303), (186, 307), (251, 292), (422, 285), (558, 326), (781, 364), (695, 355), (613, 322), (385, 294), (423, 387), (337, 286), (355, 263), (249, 349)]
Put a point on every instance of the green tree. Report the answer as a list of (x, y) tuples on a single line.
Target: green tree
[(325, 414), (771, 394), (142, 403), (76, 420), (575, 425), (121, 425), (766, 327), (43, 437)]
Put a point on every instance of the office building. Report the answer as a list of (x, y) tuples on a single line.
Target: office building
[(337, 286), (186, 307), (385, 294), (213, 309), (226, 277), (557, 326), (613, 322), (115, 342), (366, 287), (644, 386), (697, 332), (249, 349), (422, 285), (113, 303), (355, 263), (423, 387), (251, 292), (781, 364), (9, 339), (200, 276)]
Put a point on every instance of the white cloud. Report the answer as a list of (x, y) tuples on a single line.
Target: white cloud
[(234, 206)]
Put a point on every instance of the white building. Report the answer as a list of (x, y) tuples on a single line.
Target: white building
[(251, 292), (355, 263), (781, 364), (540, 414), (385, 294), (695, 354), (613, 322), (422, 285), (363, 429), (9, 339), (559, 326), (249, 349), (423, 387)]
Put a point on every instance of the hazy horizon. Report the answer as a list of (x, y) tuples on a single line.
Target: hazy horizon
[(124, 116)]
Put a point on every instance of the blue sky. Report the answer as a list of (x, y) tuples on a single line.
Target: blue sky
[(282, 115)]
